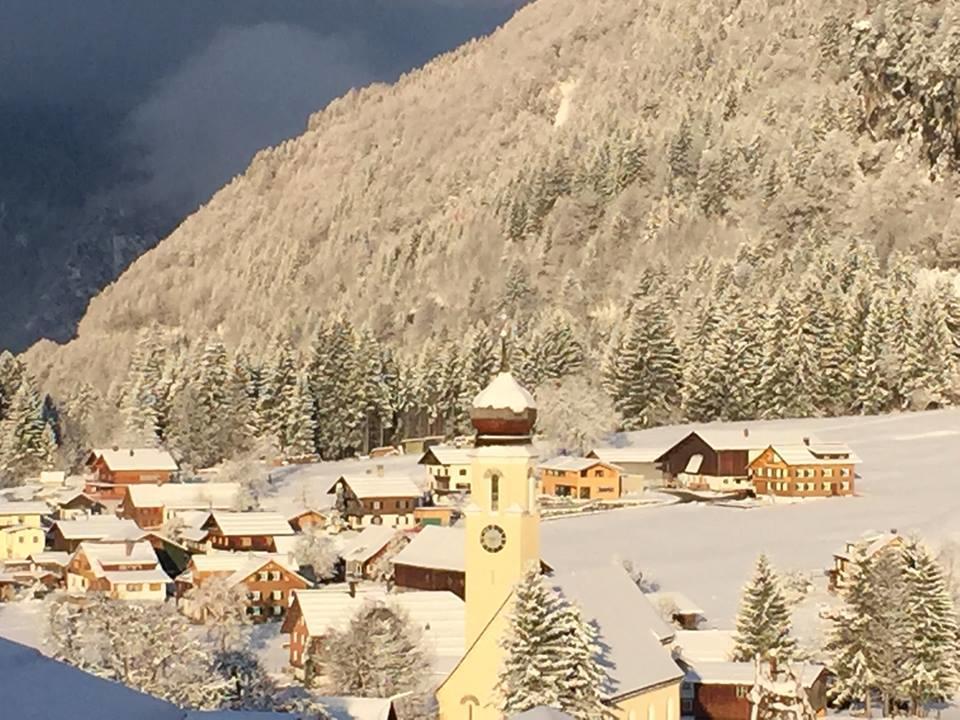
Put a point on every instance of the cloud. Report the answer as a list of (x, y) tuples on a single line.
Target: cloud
[(249, 88)]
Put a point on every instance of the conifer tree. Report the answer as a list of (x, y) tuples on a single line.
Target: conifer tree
[(301, 427), (11, 372), (871, 387), (928, 364), (763, 622), (27, 442), (143, 393), (781, 391)]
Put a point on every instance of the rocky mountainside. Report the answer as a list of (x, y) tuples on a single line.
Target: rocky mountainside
[(572, 148)]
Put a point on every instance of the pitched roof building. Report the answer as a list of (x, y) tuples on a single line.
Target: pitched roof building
[(66, 535), (805, 469), (112, 470), (126, 570), (376, 500), (21, 529), (580, 478), (253, 531), (434, 559), (151, 505)]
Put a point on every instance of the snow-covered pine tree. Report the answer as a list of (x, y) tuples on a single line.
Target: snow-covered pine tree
[(928, 365), (533, 657), (582, 679), (949, 290), (379, 654), (11, 372), (481, 360), (871, 387), (932, 671), (562, 352), (644, 371), (301, 426), (781, 393), (334, 382), (27, 442), (763, 622), (143, 391), (279, 385), (778, 694)]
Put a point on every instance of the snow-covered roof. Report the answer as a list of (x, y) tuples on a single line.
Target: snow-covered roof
[(357, 708), (52, 477), (250, 523), (542, 712), (627, 455), (238, 566), (184, 496), (51, 557), (153, 575), (435, 547), (568, 463), (128, 459), (376, 486), (819, 454), (683, 604), (99, 527), (744, 673), (24, 508), (102, 555), (36, 687), (505, 393), (367, 543), (631, 632), (732, 439), (438, 615), (870, 543), (705, 645), (447, 455)]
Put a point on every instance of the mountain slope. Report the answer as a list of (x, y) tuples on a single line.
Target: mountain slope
[(573, 146)]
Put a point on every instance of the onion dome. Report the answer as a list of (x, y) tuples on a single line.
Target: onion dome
[(504, 411)]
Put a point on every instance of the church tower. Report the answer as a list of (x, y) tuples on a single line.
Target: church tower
[(502, 521)]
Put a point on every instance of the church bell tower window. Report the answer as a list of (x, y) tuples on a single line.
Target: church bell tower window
[(494, 493)]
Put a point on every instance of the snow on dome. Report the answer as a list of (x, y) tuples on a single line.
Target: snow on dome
[(505, 393)]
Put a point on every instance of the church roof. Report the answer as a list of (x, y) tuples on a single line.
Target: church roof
[(631, 634), (505, 393)]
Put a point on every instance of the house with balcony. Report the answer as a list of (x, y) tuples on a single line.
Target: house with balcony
[(127, 570), (377, 500), (805, 469), (268, 581), (111, 471), (448, 468)]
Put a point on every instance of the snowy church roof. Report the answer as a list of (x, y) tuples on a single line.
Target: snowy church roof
[(631, 633), (505, 393)]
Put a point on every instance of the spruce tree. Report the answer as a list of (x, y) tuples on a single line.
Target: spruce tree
[(301, 426), (932, 667), (27, 442), (780, 392), (581, 676), (871, 387), (763, 622), (928, 363), (143, 393)]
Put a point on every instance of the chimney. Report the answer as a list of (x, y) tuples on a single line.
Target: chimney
[(131, 452), (116, 448), (379, 470), (746, 432), (128, 547), (806, 441), (352, 586)]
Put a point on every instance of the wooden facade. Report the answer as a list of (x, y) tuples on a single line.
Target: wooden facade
[(596, 481), (715, 461), (713, 700), (107, 483), (419, 578), (772, 475), (308, 519), (148, 518)]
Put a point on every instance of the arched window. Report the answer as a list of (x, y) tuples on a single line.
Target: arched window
[(469, 702), (494, 492)]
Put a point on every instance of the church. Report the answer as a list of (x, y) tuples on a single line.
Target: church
[(503, 541)]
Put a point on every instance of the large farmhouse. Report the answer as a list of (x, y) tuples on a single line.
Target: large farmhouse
[(252, 531), (376, 500), (805, 470)]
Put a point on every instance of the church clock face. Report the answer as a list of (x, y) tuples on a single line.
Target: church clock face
[(493, 538)]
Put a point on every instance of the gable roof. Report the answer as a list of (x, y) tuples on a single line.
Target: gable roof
[(818, 454), (435, 547), (439, 615), (446, 455), (24, 508), (744, 673), (569, 463), (630, 631), (705, 645), (40, 688), (626, 454), (367, 543), (542, 712), (726, 438), (99, 527), (683, 604), (376, 486), (249, 523), (357, 708), (103, 555), (184, 496), (129, 459)]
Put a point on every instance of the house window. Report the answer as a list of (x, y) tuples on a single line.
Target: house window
[(828, 472), (844, 472), (278, 610), (686, 705), (377, 504), (20, 539), (584, 493), (246, 542), (254, 595), (277, 595), (135, 587), (598, 473), (35, 539), (263, 576), (155, 586), (463, 472), (494, 492), (254, 610), (844, 485), (742, 691)]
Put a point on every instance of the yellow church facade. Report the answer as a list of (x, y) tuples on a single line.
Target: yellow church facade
[(502, 526)]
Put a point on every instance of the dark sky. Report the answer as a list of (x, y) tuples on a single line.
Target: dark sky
[(199, 85)]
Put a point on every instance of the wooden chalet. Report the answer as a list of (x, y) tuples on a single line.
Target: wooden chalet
[(579, 478), (150, 506), (448, 468), (123, 570), (248, 531), (112, 471), (439, 616), (76, 504), (306, 519), (376, 500), (718, 459), (721, 690), (866, 546), (268, 579), (433, 560), (66, 535), (362, 553), (805, 470)]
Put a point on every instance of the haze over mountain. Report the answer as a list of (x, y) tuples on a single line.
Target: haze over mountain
[(573, 147), (119, 119)]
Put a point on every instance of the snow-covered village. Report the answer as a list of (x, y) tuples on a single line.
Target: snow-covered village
[(480, 360)]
